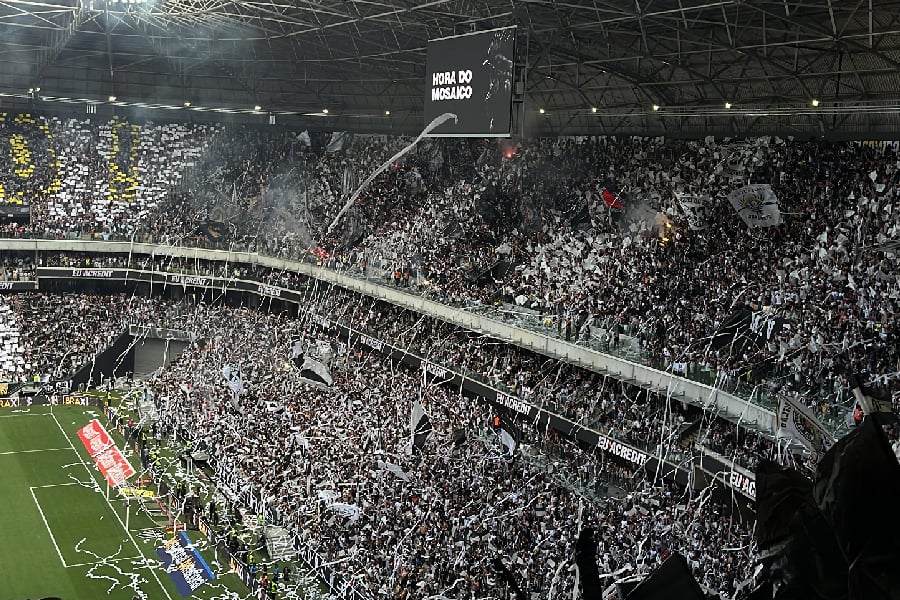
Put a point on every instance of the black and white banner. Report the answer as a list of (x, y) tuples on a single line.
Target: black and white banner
[(348, 179), (757, 205), (797, 422), (419, 426), (696, 209)]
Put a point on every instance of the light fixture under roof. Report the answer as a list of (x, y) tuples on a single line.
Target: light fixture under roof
[(112, 98), (656, 107), (815, 102), (593, 109), (257, 107), (387, 113), (728, 105), (324, 111), (187, 103), (541, 110)]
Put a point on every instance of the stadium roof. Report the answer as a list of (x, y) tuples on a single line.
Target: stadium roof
[(594, 66)]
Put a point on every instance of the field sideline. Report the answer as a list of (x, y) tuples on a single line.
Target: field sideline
[(61, 536)]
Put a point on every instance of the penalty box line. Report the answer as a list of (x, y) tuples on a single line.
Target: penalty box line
[(49, 531), (53, 538)]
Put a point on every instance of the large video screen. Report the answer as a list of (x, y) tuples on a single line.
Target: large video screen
[(471, 76)]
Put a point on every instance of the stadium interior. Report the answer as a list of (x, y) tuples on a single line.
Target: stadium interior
[(450, 299)]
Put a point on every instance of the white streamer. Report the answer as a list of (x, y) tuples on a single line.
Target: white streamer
[(437, 122)]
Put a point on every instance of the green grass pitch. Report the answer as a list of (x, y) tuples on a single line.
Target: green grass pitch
[(59, 534)]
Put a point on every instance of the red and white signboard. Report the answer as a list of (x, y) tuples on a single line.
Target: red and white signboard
[(114, 466), (95, 438)]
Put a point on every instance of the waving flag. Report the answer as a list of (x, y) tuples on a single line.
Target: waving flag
[(612, 197), (348, 179), (757, 205), (419, 425), (797, 422), (696, 208)]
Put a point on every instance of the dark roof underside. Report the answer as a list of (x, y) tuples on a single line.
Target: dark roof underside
[(358, 59)]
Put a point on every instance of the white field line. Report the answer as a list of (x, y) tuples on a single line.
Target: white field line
[(47, 525), (31, 451), (25, 414), (125, 529), (52, 485)]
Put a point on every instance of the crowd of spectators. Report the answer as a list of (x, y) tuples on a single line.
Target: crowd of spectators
[(48, 337), (517, 227), (77, 177), (610, 406), (472, 502), (298, 444), (636, 416), (448, 213), (336, 465), (18, 268), (641, 419)]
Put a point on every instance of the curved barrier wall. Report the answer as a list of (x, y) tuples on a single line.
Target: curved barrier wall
[(698, 394), (469, 383)]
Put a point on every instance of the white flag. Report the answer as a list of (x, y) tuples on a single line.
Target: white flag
[(757, 205), (696, 208), (798, 423), (336, 143), (509, 443)]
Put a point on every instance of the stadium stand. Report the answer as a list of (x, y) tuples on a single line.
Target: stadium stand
[(522, 231)]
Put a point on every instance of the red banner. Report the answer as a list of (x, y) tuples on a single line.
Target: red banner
[(114, 466), (94, 437)]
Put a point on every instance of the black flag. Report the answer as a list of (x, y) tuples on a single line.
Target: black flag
[(420, 426), (857, 488), (586, 559), (508, 578), (671, 580)]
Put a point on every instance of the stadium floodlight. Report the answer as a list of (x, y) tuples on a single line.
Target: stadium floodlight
[(656, 107), (324, 111), (112, 98), (815, 102), (541, 110), (593, 109), (387, 113), (728, 105), (257, 107), (187, 104)]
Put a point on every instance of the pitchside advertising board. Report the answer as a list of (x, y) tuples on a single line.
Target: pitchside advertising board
[(471, 76)]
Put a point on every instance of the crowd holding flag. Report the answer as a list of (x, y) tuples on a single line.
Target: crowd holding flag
[(696, 209), (419, 426), (757, 205), (348, 179), (797, 422), (612, 196)]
